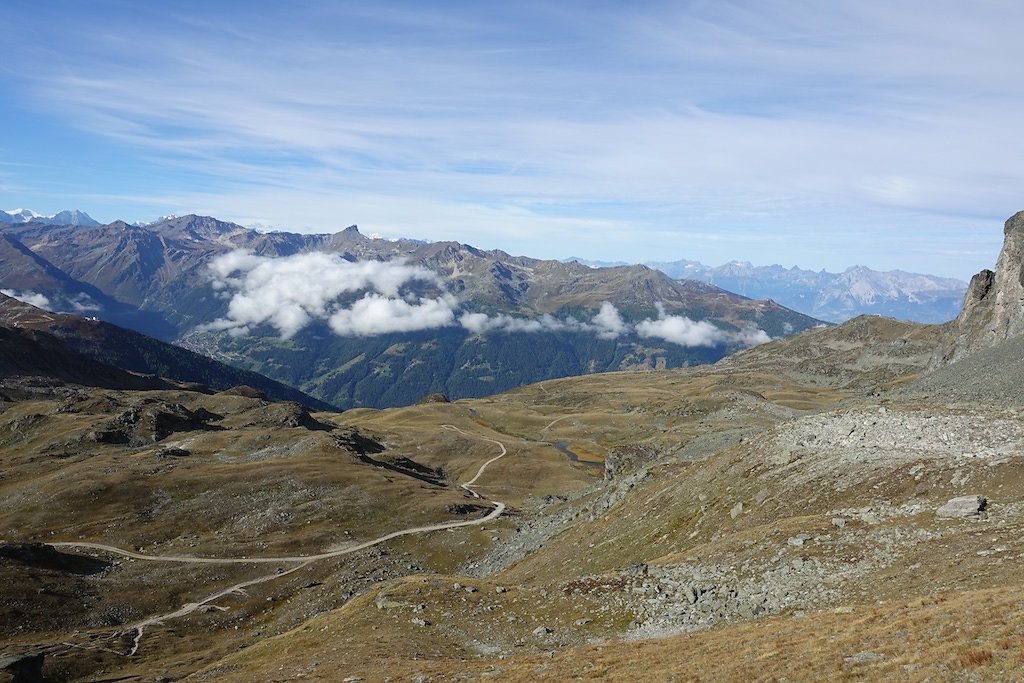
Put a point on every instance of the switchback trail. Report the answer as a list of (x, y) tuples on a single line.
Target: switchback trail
[(300, 561)]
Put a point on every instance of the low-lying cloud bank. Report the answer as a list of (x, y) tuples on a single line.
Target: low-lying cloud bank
[(681, 330), (80, 304), (606, 324), (29, 297), (290, 292)]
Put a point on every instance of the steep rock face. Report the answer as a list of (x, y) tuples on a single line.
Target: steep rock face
[(1008, 313), (993, 309)]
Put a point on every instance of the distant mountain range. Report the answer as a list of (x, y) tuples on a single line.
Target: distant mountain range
[(72, 217), (834, 297), (358, 321)]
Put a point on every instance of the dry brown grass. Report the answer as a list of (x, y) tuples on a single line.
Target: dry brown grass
[(949, 638), (678, 514)]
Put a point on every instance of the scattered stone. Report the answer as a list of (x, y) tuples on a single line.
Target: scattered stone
[(421, 622), (838, 522), (582, 622), (736, 510), (964, 507), (500, 589), (870, 517), (862, 658), (799, 539), (637, 569), (541, 631), (385, 602), (171, 452)]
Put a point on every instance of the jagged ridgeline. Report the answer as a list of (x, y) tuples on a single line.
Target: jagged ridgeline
[(358, 321)]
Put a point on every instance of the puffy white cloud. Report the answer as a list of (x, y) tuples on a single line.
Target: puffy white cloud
[(29, 297), (376, 314), (751, 336), (475, 322), (681, 330), (608, 323), (83, 303), (290, 292)]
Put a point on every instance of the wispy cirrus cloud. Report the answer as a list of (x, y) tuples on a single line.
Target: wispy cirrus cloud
[(694, 120)]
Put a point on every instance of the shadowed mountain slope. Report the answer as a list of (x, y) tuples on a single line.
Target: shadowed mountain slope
[(108, 345)]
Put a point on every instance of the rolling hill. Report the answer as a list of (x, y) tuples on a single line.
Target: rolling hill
[(837, 505)]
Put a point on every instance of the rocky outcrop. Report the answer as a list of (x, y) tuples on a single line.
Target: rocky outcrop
[(27, 668), (964, 507), (993, 309), (152, 420), (45, 556)]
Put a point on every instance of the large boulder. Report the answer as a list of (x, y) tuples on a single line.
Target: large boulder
[(964, 507)]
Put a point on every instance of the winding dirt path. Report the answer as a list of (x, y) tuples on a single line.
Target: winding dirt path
[(301, 561)]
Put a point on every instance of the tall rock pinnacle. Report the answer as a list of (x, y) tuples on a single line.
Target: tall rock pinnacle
[(993, 309)]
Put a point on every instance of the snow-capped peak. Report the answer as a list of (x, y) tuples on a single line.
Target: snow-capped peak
[(72, 217), (25, 214)]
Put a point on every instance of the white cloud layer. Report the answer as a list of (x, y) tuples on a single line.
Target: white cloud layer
[(290, 292), (80, 304), (606, 324), (29, 297), (375, 314), (683, 331), (817, 133)]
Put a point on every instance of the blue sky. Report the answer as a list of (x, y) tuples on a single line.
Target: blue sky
[(817, 134)]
